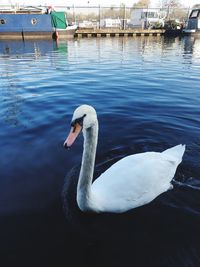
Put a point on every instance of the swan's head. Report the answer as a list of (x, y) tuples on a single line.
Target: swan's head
[(83, 118)]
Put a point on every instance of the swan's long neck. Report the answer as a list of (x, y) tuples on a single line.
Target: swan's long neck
[(84, 195)]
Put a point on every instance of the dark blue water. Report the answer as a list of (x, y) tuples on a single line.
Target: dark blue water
[(147, 95)]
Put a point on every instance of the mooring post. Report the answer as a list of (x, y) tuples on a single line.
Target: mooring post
[(99, 17), (124, 18), (22, 35)]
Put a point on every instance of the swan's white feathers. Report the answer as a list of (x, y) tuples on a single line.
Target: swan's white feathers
[(90, 118), (175, 152), (135, 180), (131, 182)]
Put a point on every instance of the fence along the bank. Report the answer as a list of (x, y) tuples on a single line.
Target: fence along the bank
[(119, 17)]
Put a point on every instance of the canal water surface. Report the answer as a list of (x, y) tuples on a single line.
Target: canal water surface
[(146, 92)]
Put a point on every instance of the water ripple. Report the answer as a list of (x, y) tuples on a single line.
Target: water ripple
[(146, 93)]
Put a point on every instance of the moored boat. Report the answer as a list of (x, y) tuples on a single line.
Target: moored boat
[(193, 23), (34, 23)]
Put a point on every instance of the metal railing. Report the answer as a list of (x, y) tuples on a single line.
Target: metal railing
[(119, 17)]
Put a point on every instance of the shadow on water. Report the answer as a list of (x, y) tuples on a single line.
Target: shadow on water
[(140, 109)]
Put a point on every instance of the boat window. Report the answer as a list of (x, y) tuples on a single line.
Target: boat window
[(2, 21), (34, 21), (194, 14)]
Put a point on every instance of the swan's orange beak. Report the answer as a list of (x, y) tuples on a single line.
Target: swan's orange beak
[(74, 132)]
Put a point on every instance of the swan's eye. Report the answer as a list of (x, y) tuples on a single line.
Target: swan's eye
[(78, 120)]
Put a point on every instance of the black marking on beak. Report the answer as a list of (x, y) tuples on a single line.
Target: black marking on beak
[(66, 146)]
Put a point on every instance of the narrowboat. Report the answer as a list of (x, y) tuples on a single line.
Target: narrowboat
[(193, 23), (34, 23)]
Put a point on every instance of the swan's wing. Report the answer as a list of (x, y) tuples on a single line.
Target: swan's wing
[(134, 181)]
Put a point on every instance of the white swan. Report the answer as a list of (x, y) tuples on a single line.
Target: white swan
[(129, 183)]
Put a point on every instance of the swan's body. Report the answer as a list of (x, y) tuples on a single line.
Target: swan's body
[(131, 182)]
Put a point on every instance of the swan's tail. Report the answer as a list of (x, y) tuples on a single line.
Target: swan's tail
[(176, 152)]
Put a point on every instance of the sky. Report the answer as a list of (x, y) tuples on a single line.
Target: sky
[(154, 3)]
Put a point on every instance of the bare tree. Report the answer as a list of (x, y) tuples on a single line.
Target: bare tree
[(142, 3), (175, 10), (196, 6)]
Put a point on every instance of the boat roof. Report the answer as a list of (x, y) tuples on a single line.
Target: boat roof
[(22, 10)]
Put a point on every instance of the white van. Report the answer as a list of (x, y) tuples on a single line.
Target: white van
[(145, 18)]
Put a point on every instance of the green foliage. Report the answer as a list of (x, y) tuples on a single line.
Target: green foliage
[(172, 25), (157, 25)]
